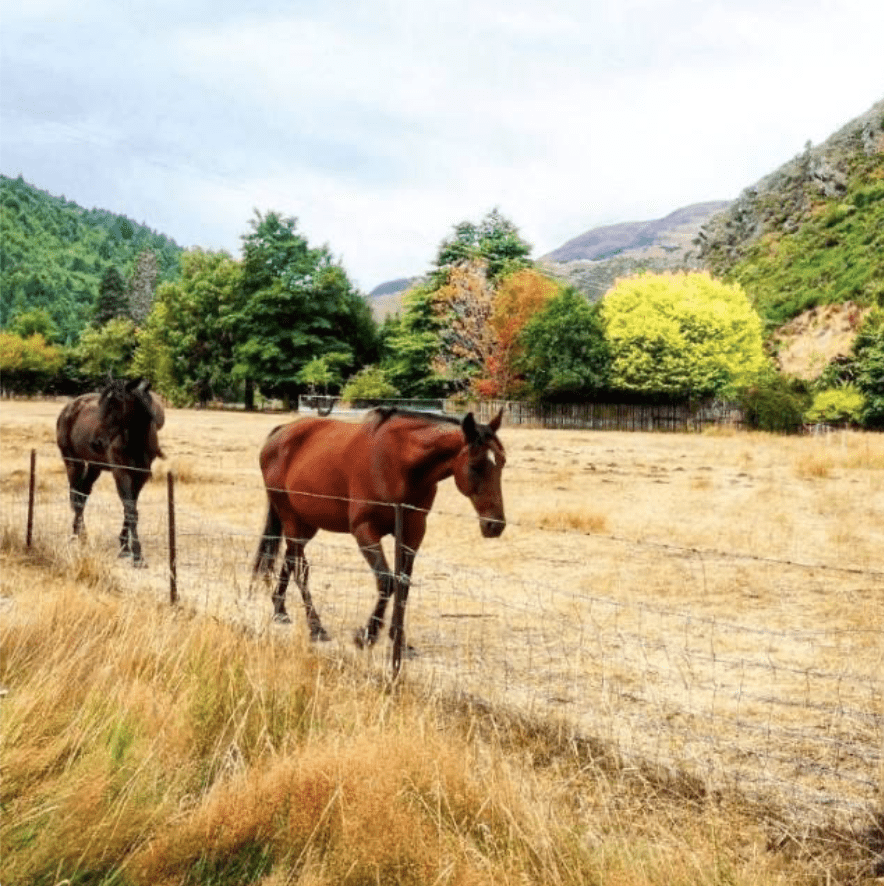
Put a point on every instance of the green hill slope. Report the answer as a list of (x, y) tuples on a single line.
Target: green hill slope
[(53, 254), (811, 233)]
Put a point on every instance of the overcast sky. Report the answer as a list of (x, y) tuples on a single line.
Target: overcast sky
[(380, 124)]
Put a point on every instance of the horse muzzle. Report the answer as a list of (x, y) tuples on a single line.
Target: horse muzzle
[(491, 527)]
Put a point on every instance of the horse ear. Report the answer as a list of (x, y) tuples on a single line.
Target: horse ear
[(494, 424), (469, 429), (144, 386)]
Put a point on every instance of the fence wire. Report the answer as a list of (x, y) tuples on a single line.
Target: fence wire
[(793, 717)]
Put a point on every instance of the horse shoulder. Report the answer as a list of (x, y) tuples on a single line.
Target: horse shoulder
[(159, 413), (78, 422)]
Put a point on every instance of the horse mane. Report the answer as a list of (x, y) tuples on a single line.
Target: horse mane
[(381, 414)]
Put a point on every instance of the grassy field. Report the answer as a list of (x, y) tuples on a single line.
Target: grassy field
[(667, 670)]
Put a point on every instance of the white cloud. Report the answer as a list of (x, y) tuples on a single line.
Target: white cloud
[(380, 125)]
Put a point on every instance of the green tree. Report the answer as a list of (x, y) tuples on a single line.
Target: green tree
[(370, 383), (296, 304), (37, 321), (112, 300), (109, 348), (186, 345), (410, 346), (565, 350), (839, 405), (324, 372), (681, 335), (775, 402), (868, 350), (495, 240)]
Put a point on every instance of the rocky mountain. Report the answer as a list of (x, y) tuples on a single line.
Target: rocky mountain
[(810, 233), (792, 196), (386, 298), (594, 260)]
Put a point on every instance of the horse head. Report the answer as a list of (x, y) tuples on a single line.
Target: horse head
[(478, 472), (121, 404)]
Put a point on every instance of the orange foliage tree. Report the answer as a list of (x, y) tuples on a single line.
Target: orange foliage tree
[(480, 324), (518, 298)]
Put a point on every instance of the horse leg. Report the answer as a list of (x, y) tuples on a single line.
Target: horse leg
[(296, 562), (129, 486), (397, 621), (279, 611), (81, 478), (412, 536), (370, 547), (268, 547)]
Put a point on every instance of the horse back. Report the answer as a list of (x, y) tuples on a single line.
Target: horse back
[(310, 453)]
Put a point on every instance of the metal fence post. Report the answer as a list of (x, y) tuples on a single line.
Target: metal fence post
[(32, 485), (399, 591), (173, 557)]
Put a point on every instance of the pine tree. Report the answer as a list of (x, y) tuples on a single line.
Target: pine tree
[(112, 299)]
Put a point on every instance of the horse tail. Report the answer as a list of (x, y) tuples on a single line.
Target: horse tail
[(270, 542)]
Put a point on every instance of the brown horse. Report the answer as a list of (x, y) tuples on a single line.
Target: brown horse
[(321, 473), (114, 431)]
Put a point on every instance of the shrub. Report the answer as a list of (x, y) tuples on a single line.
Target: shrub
[(837, 405), (27, 365), (370, 383), (775, 403)]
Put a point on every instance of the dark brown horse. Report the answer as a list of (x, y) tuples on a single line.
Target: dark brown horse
[(114, 431), (321, 473)]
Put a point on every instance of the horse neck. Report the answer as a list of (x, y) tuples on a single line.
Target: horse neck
[(436, 453), (136, 427)]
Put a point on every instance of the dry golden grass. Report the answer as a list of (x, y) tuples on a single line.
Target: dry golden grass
[(609, 605), (143, 745)]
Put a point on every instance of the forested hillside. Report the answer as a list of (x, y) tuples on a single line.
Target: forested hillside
[(812, 232), (54, 254)]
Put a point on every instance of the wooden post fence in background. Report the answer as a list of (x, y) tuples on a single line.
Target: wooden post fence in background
[(173, 558), (32, 485)]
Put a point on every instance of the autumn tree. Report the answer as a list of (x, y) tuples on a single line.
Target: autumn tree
[(27, 364), (519, 297), (464, 307), (142, 285)]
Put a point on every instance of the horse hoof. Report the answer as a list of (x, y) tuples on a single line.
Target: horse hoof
[(363, 639), (282, 618), (319, 635), (140, 563)]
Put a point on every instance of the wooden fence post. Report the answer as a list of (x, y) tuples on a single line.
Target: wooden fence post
[(173, 557), (32, 486), (398, 621)]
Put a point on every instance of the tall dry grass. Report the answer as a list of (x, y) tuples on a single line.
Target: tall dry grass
[(146, 745)]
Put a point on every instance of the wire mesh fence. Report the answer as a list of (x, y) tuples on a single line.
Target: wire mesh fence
[(793, 717)]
